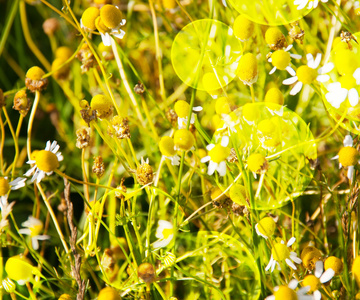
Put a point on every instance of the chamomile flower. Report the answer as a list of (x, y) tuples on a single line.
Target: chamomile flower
[(45, 162), (87, 21), (281, 59), (301, 4), (165, 233), (307, 74), (167, 148), (333, 266), (182, 109), (257, 163), (348, 156), (217, 156), (344, 89), (248, 69), (266, 227), (280, 253), (284, 292), (313, 281), (33, 228)]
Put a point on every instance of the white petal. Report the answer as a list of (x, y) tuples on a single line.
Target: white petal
[(310, 59), (302, 5), (288, 47), (197, 108), (106, 39), (348, 141), (210, 146), (35, 243), (291, 241), (295, 56), (272, 297), (224, 141), (319, 268), (25, 231), (290, 80), (296, 89), (290, 70), (212, 167), (310, 6), (119, 35), (326, 68), (222, 168), (316, 2), (42, 237), (327, 275), (317, 60), (353, 97), (350, 173), (303, 290), (293, 284), (48, 145), (323, 78), (295, 258), (334, 86), (17, 183), (269, 60), (357, 75), (29, 172), (270, 263), (290, 264), (317, 295), (273, 70), (205, 159), (175, 160)]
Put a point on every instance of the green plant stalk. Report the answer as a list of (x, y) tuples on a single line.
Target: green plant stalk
[(16, 144), (31, 121), (8, 24)]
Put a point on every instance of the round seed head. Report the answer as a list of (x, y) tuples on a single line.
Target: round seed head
[(243, 28), (111, 16), (89, 16)]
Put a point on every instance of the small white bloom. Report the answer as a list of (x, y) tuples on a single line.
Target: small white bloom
[(182, 122), (281, 57), (310, 3), (300, 294), (217, 156), (165, 233), (307, 74), (17, 183), (33, 228)]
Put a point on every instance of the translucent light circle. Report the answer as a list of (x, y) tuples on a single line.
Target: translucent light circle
[(206, 255), (344, 112), (285, 140), (205, 54), (270, 12)]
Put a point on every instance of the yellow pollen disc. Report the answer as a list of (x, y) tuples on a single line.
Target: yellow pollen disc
[(219, 153), (108, 293), (267, 127), (280, 252), (243, 28), (35, 73), (89, 16), (182, 108), (111, 16), (238, 194), (4, 186), (256, 162), (313, 282), (275, 38), (248, 69), (285, 293), (280, 59), (166, 146), (184, 139), (309, 256), (333, 263), (347, 81), (251, 112), (348, 156), (346, 61), (222, 106), (46, 161), (274, 95), (102, 105), (100, 26), (266, 226), (306, 75), (35, 230), (167, 232)]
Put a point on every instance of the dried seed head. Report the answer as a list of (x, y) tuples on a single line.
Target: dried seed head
[(119, 127), (107, 260), (50, 26), (122, 188), (139, 88), (102, 105), (98, 167), (82, 138), (309, 256), (86, 57), (232, 158), (34, 81), (275, 38), (86, 112), (146, 272), (296, 33), (2, 99), (144, 173), (172, 117)]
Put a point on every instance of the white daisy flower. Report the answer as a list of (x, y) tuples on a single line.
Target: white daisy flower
[(33, 228), (280, 252), (182, 109), (116, 32), (46, 162), (217, 156), (284, 292), (310, 3), (344, 89), (348, 157), (165, 233), (307, 74), (281, 60)]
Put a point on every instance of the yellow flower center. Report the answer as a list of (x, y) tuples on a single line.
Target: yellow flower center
[(238, 194), (219, 153), (250, 112), (102, 105), (275, 38), (266, 226), (46, 161), (346, 61), (222, 106), (35, 73), (243, 28), (280, 252), (348, 156), (313, 282), (309, 256), (184, 139), (334, 263), (100, 26), (182, 108), (89, 16), (347, 81), (280, 59), (64, 52), (35, 229), (285, 293), (166, 146), (108, 293), (274, 95), (248, 69), (256, 162), (18, 269), (4, 186), (167, 232), (267, 128), (306, 74), (111, 16)]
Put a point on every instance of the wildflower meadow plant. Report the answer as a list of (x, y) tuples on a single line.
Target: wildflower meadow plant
[(179, 149)]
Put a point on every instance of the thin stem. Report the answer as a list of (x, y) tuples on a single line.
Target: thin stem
[(15, 141), (2, 142), (31, 121), (86, 186), (252, 93)]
